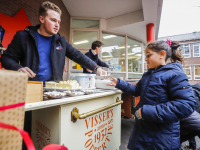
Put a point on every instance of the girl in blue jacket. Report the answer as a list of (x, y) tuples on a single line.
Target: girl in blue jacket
[(165, 98)]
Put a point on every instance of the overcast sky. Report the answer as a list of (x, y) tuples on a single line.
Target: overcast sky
[(179, 17)]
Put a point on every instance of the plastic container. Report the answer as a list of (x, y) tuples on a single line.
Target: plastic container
[(87, 81), (102, 84)]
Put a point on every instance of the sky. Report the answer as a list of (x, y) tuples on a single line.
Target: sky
[(179, 17)]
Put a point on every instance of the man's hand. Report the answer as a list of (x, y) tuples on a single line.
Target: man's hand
[(89, 70), (111, 68), (28, 71), (101, 72), (113, 83)]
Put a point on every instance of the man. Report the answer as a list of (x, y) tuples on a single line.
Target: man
[(190, 126), (93, 55), (41, 50)]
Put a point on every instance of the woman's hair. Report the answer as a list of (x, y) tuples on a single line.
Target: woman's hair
[(172, 52), (48, 5)]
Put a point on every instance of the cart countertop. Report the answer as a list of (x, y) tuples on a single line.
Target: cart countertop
[(68, 100)]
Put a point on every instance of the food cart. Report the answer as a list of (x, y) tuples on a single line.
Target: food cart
[(80, 123)]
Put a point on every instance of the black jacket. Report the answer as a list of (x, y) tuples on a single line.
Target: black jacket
[(196, 89), (95, 59), (24, 48), (190, 126)]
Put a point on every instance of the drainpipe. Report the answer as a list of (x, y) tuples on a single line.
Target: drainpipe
[(150, 34)]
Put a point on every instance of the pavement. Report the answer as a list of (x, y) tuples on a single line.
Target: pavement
[(126, 129)]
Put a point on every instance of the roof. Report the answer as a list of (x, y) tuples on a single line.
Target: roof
[(182, 37), (121, 16)]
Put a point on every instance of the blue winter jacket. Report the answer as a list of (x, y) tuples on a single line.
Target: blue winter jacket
[(165, 98)]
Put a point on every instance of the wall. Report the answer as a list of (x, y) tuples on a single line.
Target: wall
[(192, 60), (11, 7)]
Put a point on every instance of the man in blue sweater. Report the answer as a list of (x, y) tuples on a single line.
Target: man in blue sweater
[(41, 50), (93, 55)]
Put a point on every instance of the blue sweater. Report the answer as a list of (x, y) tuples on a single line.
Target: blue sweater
[(165, 98)]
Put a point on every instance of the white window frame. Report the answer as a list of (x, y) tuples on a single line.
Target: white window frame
[(82, 29), (142, 55), (194, 71), (190, 76), (199, 49), (100, 30), (126, 51), (135, 73), (184, 51)]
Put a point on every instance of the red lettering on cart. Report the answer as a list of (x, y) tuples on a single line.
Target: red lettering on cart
[(43, 128), (108, 114), (100, 118), (94, 121), (88, 143), (87, 122), (100, 128), (43, 135), (95, 118), (89, 133), (104, 115), (110, 121), (111, 112), (104, 146)]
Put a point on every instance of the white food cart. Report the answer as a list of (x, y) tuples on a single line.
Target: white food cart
[(88, 122)]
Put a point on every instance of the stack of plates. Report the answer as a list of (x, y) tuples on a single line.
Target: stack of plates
[(102, 84), (103, 77)]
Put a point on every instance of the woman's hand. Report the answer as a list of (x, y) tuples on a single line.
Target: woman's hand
[(113, 83)]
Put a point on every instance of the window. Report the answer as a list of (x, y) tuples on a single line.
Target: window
[(119, 75), (113, 51), (134, 76), (196, 72), (185, 50), (134, 56), (187, 70), (196, 50), (143, 58), (84, 23), (83, 33), (84, 39), (116, 48)]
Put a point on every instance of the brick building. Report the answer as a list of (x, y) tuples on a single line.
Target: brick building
[(190, 45)]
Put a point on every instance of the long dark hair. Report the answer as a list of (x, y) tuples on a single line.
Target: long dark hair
[(172, 52)]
